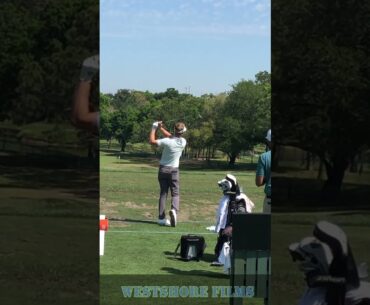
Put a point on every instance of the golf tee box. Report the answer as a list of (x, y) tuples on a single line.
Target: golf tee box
[(103, 226)]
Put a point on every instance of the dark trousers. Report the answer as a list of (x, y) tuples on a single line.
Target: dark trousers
[(221, 239), (169, 179)]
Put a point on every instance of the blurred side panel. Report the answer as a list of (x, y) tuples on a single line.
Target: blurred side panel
[(49, 183), (321, 157)]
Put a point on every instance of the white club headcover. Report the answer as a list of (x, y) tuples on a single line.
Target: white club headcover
[(314, 255), (249, 205), (225, 185)]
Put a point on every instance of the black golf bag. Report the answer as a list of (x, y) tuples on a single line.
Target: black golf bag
[(235, 206), (331, 273), (191, 247)]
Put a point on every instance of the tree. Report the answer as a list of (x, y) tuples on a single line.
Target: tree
[(200, 139), (16, 46), (171, 93), (41, 56), (123, 122), (213, 121), (322, 84), (263, 77), (106, 114), (243, 120)]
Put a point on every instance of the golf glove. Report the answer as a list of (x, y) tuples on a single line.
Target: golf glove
[(155, 125), (90, 67)]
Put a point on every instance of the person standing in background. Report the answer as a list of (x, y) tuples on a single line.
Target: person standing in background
[(263, 173)]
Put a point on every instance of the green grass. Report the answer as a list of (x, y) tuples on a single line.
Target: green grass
[(137, 253), (42, 138), (129, 188), (289, 228), (48, 253), (42, 259), (137, 249)]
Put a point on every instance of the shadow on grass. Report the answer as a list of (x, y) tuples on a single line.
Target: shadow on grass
[(351, 213), (305, 195), (81, 182), (209, 258), (50, 161), (204, 273), (55, 177), (132, 220), (185, 164)]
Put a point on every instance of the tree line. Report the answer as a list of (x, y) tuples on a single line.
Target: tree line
[(43, 44), (230, 122), (321, 84)]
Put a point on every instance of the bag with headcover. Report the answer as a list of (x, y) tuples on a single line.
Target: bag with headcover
[(331, 273)]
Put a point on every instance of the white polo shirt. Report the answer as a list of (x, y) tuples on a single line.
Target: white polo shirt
[(172, 150)]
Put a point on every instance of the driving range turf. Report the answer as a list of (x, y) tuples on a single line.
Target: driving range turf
[(138, 252), (48, 216)]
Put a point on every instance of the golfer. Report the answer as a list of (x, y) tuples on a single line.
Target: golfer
[(83, 116), (168, 174), (263, 173)]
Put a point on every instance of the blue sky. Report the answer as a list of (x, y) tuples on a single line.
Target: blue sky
[(196, 46)]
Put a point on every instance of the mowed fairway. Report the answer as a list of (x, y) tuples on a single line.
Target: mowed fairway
[(138, 251)]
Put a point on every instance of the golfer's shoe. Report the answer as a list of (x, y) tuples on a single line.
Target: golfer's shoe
[(164, 222), (173, 218), (217, 264)]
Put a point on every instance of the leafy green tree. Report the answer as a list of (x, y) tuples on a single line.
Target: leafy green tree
[(171, 93), (15, 50), (243, 119), (263, 77), (123, 122), (321, 84), (201, 140), (41, 56), (106, 114), (213, 121)]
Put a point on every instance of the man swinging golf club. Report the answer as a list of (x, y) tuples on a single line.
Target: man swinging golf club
[(168, 174), (83, 116)]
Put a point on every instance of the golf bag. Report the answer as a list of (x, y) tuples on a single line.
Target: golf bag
[(332, 276), (192, 247), (235, 205)]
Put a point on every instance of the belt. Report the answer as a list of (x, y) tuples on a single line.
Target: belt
[(168, 167)]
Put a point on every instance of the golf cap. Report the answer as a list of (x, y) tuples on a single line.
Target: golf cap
[(268, 136), (180, 128)]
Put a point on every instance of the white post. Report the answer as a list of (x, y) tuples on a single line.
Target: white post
[(102, 236)]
